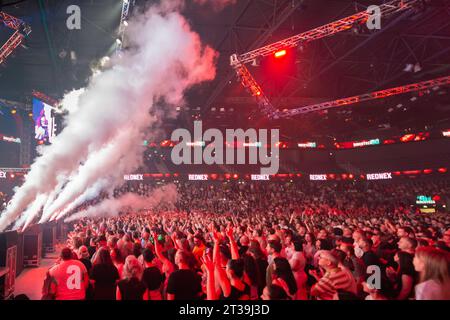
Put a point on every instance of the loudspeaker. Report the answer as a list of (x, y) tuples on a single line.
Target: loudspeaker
[(8, 263), (32, 246), (49, 237)]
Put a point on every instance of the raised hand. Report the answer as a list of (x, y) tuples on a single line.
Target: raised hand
[(229, 232), (208, 263)]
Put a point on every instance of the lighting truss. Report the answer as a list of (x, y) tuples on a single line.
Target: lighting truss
[(22, 30), (43, 97), (123, 18), (238, 61), (415, 87), (344, 24), (250, 83)]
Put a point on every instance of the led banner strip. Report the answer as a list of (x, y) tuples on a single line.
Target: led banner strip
[(133, 177), (257, 177), (307, 145), (315, 177), (425, 200), (10, 139), (379, 176), (194, 177), (264, 177), (366, 143)]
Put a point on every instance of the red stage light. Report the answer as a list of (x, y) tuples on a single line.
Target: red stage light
[(235, 176), (280, 53), (258, 93), (427, 171), (407, 137), (442, 170), (165, 143), (409, 172)]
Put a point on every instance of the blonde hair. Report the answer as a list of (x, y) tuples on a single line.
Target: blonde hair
[(132, 268), (436, 263)]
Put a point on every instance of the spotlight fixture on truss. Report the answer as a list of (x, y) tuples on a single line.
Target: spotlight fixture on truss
[(22, 30)]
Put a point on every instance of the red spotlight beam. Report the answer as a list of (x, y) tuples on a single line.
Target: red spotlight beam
[(334, 27), (415, 87)]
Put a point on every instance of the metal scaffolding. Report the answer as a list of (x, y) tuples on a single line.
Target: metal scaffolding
[(21, 31), (332, 28), (415, 87), (123, 23), (238, 61)]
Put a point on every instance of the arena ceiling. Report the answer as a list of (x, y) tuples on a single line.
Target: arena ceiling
[(349, 63)]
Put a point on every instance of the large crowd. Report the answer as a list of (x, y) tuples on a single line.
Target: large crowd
[(259, 240)]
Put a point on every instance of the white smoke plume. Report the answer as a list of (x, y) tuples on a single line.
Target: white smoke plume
[(31, 212), (89, 194), (108, 119), (165, 195)]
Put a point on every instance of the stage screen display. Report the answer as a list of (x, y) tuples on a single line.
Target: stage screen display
[(44, 121)]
